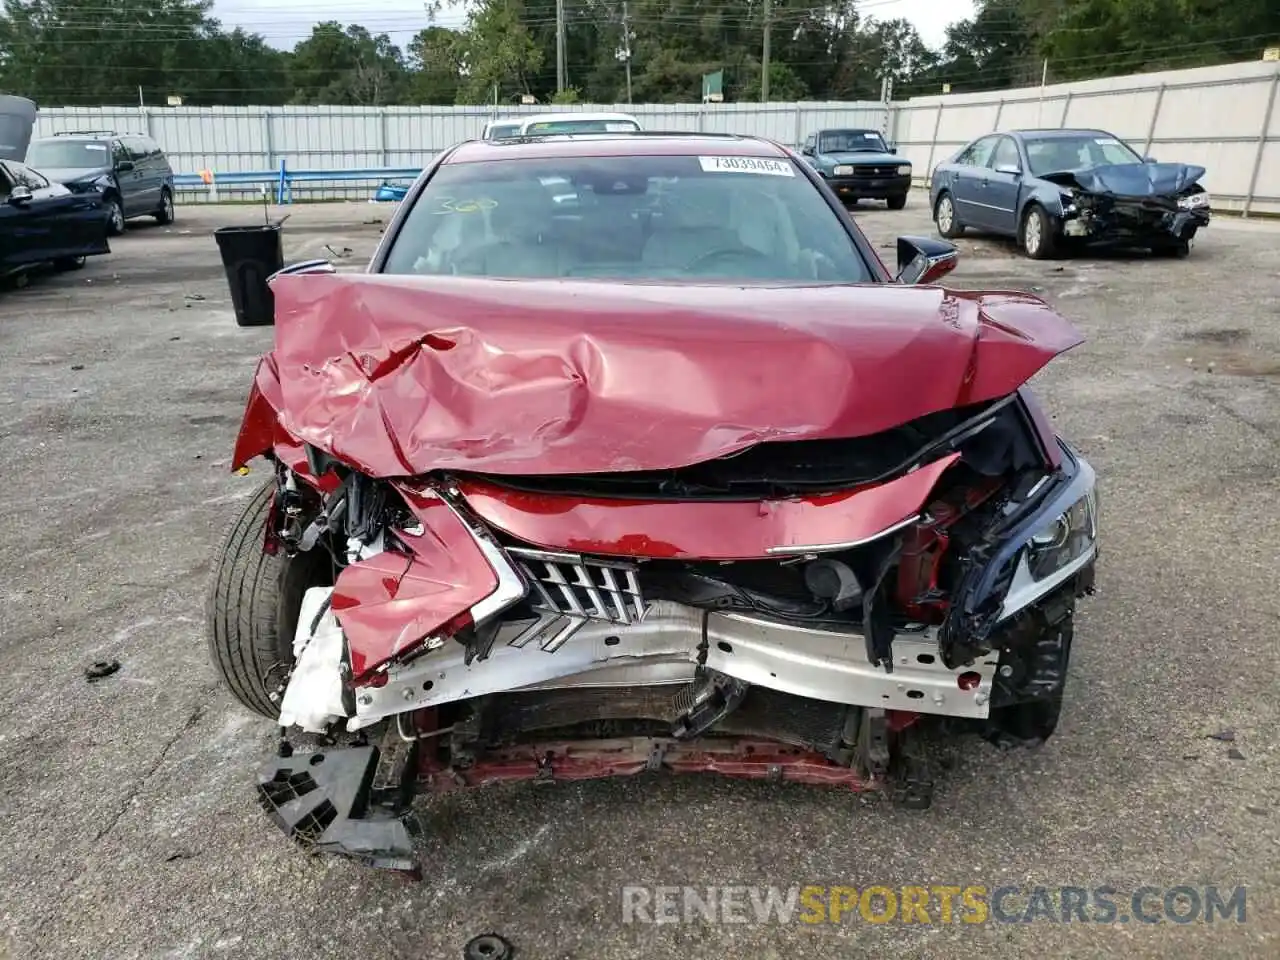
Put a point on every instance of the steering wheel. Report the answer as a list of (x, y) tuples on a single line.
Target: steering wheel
[(724, 253)]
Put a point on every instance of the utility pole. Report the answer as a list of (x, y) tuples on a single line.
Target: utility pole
[(764, 54), (560, 61), (626, 46)]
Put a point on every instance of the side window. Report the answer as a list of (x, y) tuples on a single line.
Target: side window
[(977, 153), (152, 148), (137, 148), (118, 151), (6, 180), (811, 143), (1006, 154)]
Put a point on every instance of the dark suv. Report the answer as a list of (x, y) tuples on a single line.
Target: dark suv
[(128, 169)]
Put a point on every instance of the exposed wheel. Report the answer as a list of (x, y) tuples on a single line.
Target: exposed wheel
[(1038, 233), (898, 202), (252, 606), (944, 215), (115, 216), (165, 213), (69, 263)]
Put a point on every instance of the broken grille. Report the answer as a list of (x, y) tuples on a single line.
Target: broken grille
[(581, 587)]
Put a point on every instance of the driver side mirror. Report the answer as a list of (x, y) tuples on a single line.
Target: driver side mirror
[(20, 195), (124, 166), (1012, 169), (807, 150), (923, 260)]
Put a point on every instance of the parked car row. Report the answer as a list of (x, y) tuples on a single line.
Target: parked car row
[(63, 196)]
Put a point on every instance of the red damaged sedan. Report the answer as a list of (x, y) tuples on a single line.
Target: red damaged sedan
[(627, 453)]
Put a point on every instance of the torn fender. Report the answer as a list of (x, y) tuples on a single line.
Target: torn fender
[(390, 602), (399, 376), (703, 529), (1130, 179)]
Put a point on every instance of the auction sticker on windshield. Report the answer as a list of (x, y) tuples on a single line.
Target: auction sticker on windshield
[(772, 168)]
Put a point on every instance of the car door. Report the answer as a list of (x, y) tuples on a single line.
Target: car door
[(126, 173), (146, 156), (970, 168), (999, 185), (26, 221), (55, 222)]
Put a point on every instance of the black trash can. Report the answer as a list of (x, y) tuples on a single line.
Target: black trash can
[(250, 255)]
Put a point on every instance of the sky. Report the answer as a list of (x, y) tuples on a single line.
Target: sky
[(285, 22)]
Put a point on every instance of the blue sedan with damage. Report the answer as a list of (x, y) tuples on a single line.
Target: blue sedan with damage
[(1056, 189)]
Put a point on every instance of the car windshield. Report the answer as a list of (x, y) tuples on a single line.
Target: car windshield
[(1054, 154), (851, 141), (634, 218), (544, 127), (504, 131), (68, 154)]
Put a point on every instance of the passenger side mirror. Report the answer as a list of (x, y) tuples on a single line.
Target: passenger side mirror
[(807, 150), (924, 260), (124, 166), (1010, 168), (20, 195)]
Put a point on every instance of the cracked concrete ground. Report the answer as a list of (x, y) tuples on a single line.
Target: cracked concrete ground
[(128, 826)]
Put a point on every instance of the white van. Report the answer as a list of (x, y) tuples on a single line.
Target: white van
[(549, 123)]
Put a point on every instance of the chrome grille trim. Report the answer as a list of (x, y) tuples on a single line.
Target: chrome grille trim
[(570, 590)]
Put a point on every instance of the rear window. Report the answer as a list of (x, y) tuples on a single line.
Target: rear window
[(504, 131), (638, 218), (68, 154)]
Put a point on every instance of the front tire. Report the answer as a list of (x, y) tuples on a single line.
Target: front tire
[(944, 217), (165, 214), (69, 263), (1038, 233), (898, 202), (253, 604), (115, 215)]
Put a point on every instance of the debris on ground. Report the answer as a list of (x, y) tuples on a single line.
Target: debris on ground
[(1226, 736), (1234, 754), (488, 946), (100, 669)]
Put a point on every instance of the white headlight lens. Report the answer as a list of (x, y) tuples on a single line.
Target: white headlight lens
[(843, 170), (1194, 201), (904, 170), (1067, 538)]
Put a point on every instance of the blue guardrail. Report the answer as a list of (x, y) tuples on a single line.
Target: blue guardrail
[(284, 178)]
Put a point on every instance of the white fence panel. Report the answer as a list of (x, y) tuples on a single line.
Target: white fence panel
[(1226, 118)]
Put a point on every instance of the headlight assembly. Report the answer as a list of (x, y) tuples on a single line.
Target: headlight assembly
[(843, 170), (904, 170), (1194, 201), (1070, 536)]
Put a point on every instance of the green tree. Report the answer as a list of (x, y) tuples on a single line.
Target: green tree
[(435, 65), (347, 67)]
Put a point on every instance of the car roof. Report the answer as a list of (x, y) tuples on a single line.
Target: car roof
[(642, 144), (1055, 132)]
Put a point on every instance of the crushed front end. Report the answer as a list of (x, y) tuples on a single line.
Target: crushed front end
[(1162, 210), (796, 609)]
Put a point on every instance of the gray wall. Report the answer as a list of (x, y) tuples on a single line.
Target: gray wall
[(1225, 118)]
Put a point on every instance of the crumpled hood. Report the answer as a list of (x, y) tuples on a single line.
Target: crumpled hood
[(72, 174), (1132, 179), (400, 375), (863, 157)]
